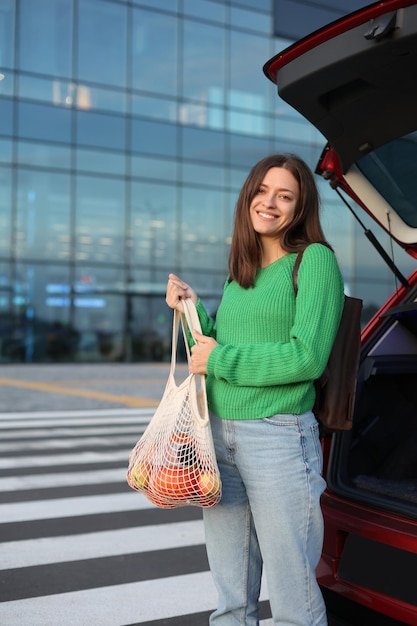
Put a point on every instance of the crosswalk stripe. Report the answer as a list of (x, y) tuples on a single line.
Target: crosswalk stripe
[(130, 603), (68, 479), (64, 459), (65, 507), (108, 543), (46, 444)]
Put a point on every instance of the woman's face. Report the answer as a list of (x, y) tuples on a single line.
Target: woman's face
[(273, 206)]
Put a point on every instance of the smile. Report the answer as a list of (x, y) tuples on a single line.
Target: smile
[(267, 216)]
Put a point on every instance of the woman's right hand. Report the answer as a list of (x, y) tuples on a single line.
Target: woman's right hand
[(177, 291)]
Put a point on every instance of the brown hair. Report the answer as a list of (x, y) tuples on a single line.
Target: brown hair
[(305, 228)]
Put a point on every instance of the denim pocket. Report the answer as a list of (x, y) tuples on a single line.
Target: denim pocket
[(315, 436), (282, 419)]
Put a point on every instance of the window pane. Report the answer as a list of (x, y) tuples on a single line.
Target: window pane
[(202, 115), (249, 89), (38, 121), (51, 90), (205, 9), (154, 138), (102, 42), (101, 162), (172, 5), (203, 174), (203, 241), (6, 116), (101, 130), (7, 33), (5, 212), (87, 97), (247, 123), (204, 145), (246, 151), (43, 215), (153, 224), (5, 150), (204, 61), (7, 83), (154, 53), (252, 20), (43, 155), (45, 35), (100, 219), (157, 108), (149, 167), (99, 315)]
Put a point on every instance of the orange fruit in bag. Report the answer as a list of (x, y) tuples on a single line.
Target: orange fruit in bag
[(177, 481)]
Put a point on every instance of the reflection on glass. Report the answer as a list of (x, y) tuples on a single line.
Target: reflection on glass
[(5, 211), (45, 36), (51, 90), (205, 9), (101, 130), (202, 242), (7, 30), (5, 150), (154, 138), (43, 215), (172, 5), (99, 305), (245, 151), (6, 116), (154, 52), (6, 81), (202, 114), (252, 20), (159, 108), (43, 155), (204, 69), (248, 54), (100, 219), (259, 5), (102, 40), (150, 167), (206, 175), (153, 228), (44, 122), (101, 162), (247, 123), (203, 145)]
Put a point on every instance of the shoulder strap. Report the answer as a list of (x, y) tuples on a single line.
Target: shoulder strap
[(295, 270)]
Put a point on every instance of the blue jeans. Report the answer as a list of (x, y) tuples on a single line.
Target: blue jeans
[(269, 516)]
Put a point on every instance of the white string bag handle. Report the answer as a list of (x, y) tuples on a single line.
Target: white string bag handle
[(190, 321)]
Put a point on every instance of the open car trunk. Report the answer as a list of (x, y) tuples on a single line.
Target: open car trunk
[(377, 460)]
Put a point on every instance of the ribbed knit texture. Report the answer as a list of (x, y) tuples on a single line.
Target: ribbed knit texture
[(271, 349)]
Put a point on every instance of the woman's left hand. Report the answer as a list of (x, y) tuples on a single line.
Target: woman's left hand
[(200, 352)]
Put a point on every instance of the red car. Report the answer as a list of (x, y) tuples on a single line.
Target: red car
[(356, 81)]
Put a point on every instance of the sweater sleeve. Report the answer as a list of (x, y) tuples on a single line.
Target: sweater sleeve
[(304, 356), (208, 326)]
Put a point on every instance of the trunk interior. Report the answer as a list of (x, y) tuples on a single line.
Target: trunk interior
[(377, 460)]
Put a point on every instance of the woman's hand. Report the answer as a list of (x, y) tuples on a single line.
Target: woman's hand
[(177, 291), (200, 352)]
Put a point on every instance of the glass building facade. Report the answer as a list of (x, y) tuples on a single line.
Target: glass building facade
[(126, 130)]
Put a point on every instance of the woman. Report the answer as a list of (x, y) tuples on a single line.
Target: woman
[(261, 356)]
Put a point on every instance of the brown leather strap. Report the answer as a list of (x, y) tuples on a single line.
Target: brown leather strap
[(295, 270)]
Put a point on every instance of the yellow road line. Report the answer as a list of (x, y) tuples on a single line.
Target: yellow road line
[(129, 401)]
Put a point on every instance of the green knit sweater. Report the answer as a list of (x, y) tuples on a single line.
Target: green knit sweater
[(273, 345)]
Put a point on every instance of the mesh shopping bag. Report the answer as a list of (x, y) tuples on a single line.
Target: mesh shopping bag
[(174, 462)]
